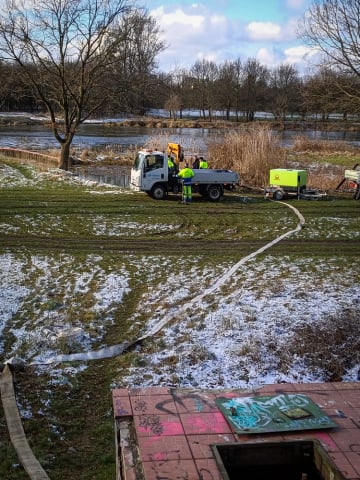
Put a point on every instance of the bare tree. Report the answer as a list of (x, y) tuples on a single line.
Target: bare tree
[(205, 74), (64, 49), (333, 28), (172, 105), (227, 86), (135, 61), (318, 93), (253, 88), (177, 86), (284, 91), (238, 78)]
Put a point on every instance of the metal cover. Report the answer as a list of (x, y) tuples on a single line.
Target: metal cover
[(274, 413)]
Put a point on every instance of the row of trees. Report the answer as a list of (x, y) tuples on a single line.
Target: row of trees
[(239, 90), (235, 89), (76, 59)]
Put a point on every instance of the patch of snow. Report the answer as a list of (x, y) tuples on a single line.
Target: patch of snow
[(237, 335), (242, 337)]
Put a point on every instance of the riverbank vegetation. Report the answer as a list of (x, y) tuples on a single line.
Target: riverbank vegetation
[(257, 149)]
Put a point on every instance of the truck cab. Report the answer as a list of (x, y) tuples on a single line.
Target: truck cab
[(150, 173)]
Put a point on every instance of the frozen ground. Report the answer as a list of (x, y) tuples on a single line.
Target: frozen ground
[(267, 322)]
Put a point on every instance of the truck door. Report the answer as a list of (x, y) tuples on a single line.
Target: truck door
[(154, 170)]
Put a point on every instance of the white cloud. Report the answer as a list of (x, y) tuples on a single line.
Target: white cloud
[(218, 20), (195, 32), (299, 54), (177, 17), (265, 57), (192, 34), (263, 31)]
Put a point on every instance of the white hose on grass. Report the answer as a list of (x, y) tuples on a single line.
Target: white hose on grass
[(115, 350)]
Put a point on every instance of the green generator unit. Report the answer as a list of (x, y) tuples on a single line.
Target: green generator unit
[(284, 181)]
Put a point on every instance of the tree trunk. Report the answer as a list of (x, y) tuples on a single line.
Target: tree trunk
[(65, 156)]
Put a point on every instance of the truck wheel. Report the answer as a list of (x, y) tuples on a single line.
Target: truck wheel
[(278, 195), (215, 192), (158, 192)]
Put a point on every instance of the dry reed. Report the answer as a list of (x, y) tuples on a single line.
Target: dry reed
[(252, 152), (323, 176)]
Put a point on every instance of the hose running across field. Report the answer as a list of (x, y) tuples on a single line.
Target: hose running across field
[(16, 432), (112, 351)]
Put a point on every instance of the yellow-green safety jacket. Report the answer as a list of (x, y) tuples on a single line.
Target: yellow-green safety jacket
[(186, 174)]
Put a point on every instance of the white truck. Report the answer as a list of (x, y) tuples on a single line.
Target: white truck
[(150, 174)]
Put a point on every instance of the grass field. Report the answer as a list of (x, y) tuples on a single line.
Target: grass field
[(85, 266)]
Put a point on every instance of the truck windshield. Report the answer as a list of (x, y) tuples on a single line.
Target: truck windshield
[(138, 161)]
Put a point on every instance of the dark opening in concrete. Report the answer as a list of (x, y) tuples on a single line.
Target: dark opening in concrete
[(301, 460)]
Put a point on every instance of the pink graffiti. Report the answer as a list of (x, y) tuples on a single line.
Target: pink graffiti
[(327, 440)]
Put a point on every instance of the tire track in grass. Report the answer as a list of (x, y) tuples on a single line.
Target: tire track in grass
[(115, 350)]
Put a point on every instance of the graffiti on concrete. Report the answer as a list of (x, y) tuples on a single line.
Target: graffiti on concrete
[(275, 413)]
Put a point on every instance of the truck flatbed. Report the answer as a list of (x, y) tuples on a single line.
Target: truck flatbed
[(214, 176)]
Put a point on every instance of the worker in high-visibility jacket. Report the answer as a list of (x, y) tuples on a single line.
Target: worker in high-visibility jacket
[(171, 171), (186, 174), (171, 164), (203, 163)]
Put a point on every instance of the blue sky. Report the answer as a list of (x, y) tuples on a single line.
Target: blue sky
[(220, 30)]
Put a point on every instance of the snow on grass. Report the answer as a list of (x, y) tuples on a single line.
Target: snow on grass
[(127, 227), (246, 333), (12, 177), (48, 225), (245, 337), (336, 227), (12, 291), (54, 303)]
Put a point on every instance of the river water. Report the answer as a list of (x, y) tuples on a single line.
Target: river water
[(38, 137)]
